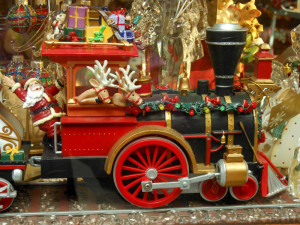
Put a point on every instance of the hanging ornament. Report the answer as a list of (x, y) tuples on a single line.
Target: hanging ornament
[(147, 108), (41, 9), (38, 71), (21, 17), (17, 68)]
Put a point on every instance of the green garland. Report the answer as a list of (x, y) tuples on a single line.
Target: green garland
[(195, 108), (259, 115)]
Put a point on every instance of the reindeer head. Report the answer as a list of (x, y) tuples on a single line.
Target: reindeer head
[(248, 11), (127, 86), (101, 81)]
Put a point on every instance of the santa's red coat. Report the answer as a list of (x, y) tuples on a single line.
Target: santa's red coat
[(46, 118)]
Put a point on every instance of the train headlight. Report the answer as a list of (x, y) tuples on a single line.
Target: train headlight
[(17, 175)]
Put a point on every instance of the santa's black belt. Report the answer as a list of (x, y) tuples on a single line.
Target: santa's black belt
[(43, 108)]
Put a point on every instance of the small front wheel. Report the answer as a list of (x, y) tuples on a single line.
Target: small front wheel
[(211, 191), (247, 191), (7, 191), (152, 158)]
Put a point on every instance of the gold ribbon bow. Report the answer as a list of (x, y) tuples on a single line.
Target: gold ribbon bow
[(13, 151)]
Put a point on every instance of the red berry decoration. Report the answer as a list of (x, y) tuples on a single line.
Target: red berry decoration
[(246, 103), (147, 108), (218, 100), (169, 107), (192, 112), (21, 17), (207, 99), (262, 137), (249, 110), (175, 99), (253, 105), (240, 109)]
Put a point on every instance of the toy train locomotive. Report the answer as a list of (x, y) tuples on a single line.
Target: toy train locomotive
[(175, 141)]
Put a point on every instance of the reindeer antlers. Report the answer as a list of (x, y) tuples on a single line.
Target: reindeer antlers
[(125, 83), (101, 75)]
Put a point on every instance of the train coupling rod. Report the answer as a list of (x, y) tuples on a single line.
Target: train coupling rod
[(182, 183)]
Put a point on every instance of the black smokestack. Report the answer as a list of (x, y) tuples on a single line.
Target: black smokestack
[(225, 43)]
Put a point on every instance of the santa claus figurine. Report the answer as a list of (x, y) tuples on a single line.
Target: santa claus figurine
[(43, 107)]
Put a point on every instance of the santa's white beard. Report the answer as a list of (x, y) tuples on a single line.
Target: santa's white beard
[(33, 97)]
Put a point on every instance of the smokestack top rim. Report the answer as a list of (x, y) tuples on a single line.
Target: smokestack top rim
[(227, 27)]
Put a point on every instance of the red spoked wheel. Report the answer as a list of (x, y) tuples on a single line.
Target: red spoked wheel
[(211, 191), (245, 192), (5, 202), (153, 158)]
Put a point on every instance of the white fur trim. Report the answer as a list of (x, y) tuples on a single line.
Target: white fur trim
[(53, 115), (58, 86), (15, 87), (46, 97)]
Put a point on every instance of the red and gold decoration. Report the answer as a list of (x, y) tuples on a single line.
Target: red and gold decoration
[(41, 10), (17, 68), (21, 17), (38, 71), (263, 62)]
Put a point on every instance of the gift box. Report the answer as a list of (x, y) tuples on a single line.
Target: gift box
[(77, 16), (107, 33), (95, 19), (12, 154), (119, 19), (70, 32), (127, 35)]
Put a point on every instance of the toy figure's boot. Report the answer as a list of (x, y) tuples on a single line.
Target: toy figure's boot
[(49, 142)]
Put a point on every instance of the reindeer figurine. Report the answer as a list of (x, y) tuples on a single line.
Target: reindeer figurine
[(99, 92), (128, 87)]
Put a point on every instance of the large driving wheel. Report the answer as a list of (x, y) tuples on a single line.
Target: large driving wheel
[(5, 202), (245, 192), (211, 191), (153, 158)]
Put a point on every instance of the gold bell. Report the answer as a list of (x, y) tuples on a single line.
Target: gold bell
[(84, 2), (184, 85), (18, 58), (40, 2), (36, 64), (223, 139), (21, 2)]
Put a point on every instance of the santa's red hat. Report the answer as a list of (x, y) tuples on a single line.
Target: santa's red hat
[(25, 83)]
